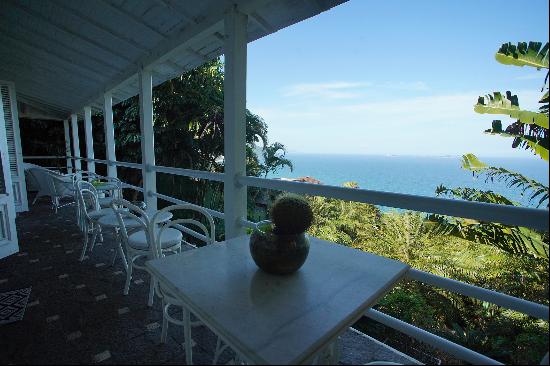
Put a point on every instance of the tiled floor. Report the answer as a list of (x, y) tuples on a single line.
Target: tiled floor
[(77, 313)]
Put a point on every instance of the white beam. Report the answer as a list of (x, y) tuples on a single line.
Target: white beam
[(147, 138), (89, 138), (76, 143), (68, 146), (42, 19), (235, 122), (109, 133), (75, 9)]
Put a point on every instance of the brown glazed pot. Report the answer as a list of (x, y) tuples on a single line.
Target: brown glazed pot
[(278, 254)]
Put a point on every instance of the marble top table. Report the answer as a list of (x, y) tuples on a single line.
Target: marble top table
[(270, 319)]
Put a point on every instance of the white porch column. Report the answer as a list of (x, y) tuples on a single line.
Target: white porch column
[(76, 143), (109, 133), (89, 138), (68, 145), (147, 137), (234, 202)]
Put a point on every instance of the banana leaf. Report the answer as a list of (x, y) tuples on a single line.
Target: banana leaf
[(532, 54), (497, 103)]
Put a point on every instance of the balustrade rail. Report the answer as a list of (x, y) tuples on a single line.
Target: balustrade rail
[(537, 219)]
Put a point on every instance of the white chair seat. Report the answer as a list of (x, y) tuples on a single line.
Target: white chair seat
[(95, 215), (106, 202), (170, 237)]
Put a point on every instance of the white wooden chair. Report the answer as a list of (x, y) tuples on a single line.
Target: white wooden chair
[(78, 176), (135, 230), (88, 204), (62, 185), (45, 184), (205, 234)]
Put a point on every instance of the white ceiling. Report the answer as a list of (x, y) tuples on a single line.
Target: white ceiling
[(64, 54)]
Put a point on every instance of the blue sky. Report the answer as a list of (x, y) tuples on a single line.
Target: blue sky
[(393, 77)]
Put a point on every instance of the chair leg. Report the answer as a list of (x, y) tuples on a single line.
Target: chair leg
[(151, 291), (128, 275), (115, 253), (164, 332), (217, 351), (94, 228), (85, 243)]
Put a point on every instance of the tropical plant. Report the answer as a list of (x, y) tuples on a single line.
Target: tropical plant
[(274, 159), (189, 133), (530, 131), (529, 187)]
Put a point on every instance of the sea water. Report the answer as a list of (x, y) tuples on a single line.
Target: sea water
[(418, 175)]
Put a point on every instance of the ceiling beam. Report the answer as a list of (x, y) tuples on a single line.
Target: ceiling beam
[(41, 52), (41, 105), (66, 30), (22, 65), (136, 20), (16, 34), (174, 66), (264, 24), (168, 47), (178, 42), (12, 58), (177, 9), (113, 32), (41, 81), (197, 54), (56, 104)]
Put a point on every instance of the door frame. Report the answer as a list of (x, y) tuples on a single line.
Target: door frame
[(9, 243)]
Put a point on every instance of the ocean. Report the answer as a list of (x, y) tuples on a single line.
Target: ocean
[(419, 175)]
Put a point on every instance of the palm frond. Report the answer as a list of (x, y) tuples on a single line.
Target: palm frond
[(528, 186)]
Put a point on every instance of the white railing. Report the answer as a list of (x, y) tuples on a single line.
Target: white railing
[(431, 339), (510, 215)]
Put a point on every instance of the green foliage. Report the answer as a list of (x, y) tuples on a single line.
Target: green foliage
[(532, 54), (405, 234), (534, 138), (529, 187), (530, 131), (512, 239), (350, 223), (408, 305), (497, 103), (274, 159), (291, 214), (189, 133)]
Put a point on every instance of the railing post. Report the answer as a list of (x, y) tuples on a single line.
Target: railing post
[(68, 145), (147, 138), (89, 138), (235, 44), (109, 134), (76, 143)]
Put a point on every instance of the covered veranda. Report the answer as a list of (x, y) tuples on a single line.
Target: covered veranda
[(69, 59)]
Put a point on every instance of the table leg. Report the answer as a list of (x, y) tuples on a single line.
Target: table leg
[(187, 334)]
